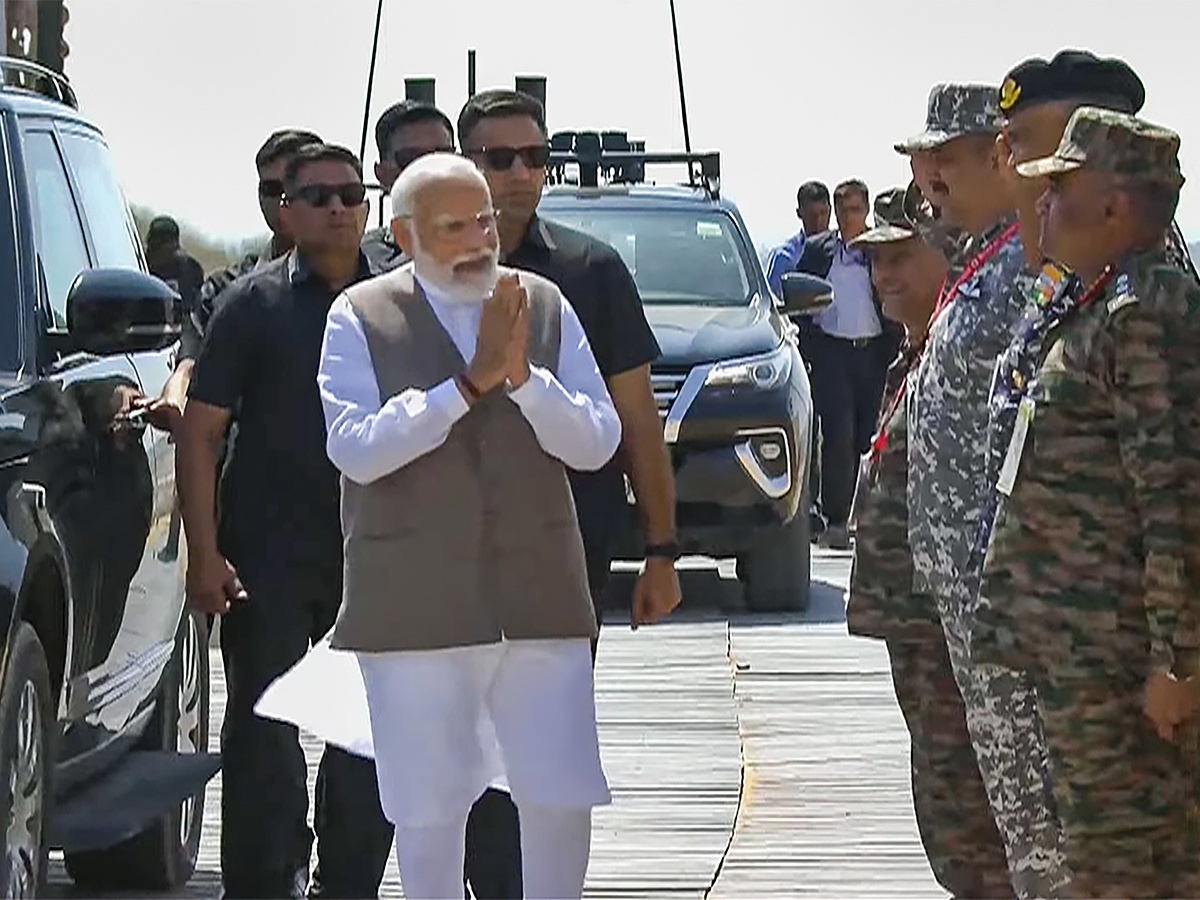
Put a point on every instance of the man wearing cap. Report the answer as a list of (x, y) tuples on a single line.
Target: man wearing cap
[(404, 133), (1090, 577), (947, 418), (953, 815)]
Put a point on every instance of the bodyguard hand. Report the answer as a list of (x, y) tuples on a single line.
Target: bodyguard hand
[(656, 593), (489, 365), (213, 585), (162, 413)]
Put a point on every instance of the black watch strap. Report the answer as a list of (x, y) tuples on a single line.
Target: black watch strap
[(668, 550)]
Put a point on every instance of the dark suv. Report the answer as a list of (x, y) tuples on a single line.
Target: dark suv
[(104, 676), (731, 387)]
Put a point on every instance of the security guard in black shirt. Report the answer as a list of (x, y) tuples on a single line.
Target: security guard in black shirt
[(504, 132), (404, 133), (273, 565), (166, 410)]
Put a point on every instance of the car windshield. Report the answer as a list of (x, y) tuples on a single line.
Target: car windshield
[(676, 256)]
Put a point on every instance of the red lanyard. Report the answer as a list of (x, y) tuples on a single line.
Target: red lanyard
[(1096, 288), (980, 259)]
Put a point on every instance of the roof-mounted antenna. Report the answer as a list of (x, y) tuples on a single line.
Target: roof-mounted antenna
[(687, 138), (362, 143)]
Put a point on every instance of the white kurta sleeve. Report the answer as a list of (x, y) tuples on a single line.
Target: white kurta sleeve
[(572, 414), (366, 437)]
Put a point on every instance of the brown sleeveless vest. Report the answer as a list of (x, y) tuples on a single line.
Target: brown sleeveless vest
[(477, 539)]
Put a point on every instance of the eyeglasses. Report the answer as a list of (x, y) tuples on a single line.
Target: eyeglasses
[(270, 189), (320, 195), (500, 159), (405, 157)]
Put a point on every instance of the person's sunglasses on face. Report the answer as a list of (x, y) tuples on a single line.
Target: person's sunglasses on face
[(500, 159), (405, 157), (321, 195), (270, 189)]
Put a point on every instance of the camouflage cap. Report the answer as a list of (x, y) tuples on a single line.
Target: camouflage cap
[(891, 220), (1114, 142), (956, 110)]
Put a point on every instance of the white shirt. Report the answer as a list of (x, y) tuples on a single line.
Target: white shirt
[(369, 436), (852, 314)]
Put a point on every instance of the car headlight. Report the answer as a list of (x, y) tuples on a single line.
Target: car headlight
[(766, 371)]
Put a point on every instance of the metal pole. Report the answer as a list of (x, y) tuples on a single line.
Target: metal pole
[(470, 74), (687, 138), (362, 144)]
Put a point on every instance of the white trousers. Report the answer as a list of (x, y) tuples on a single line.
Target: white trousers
[(555, 843), (432, 717)]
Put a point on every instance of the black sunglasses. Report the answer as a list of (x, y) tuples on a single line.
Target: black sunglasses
[(500, 159), (270, 188), (320, 195), (407, 156)]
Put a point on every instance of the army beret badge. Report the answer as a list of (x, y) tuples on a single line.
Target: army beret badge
[(1010, 93)]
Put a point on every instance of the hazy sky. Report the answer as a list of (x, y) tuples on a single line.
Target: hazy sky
[(186, 90)]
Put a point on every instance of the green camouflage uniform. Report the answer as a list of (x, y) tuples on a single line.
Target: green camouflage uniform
[(951, 805), (947, 417), (1085, 577)]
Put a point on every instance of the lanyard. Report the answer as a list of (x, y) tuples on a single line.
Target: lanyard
[(1059, 311), (980, 259)]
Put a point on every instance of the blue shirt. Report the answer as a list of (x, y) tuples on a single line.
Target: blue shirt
[(784, 259)]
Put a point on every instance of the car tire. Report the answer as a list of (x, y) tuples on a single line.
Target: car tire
[(163, 857), (26, 735), (775, 572)]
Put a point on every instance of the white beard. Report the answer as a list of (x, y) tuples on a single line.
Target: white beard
[(458, 287)]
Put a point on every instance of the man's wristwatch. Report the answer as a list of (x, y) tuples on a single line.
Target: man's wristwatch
[(668, 550)]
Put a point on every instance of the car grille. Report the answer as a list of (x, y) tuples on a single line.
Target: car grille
[(666, 385)]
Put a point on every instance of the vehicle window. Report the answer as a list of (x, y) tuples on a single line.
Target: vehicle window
[(10, 285), (675, 256), (103, 201), (60, 244)]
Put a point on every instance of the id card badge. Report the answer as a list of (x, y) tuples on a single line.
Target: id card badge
[(866, 473), (1016, 446)]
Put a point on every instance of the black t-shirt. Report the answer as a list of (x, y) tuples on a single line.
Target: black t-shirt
[(595, 281), (280, 493)]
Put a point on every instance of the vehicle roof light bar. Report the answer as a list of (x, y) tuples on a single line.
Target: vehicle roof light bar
[(592, 155), (53, 85)]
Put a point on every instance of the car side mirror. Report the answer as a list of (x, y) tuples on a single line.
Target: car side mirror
[(805, 294), (113, 311)]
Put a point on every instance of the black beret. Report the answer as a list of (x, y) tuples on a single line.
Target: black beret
[(1073, 75)]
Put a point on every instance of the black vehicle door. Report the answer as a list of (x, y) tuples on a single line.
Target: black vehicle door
[(99, 478)]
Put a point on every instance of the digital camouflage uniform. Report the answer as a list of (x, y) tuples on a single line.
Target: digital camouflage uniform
[(948, 426), (951, 806), (1091, 574)]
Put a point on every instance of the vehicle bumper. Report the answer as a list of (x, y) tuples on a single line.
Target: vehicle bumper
[(740, 471)]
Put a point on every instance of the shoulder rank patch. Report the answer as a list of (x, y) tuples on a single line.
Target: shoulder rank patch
[(1122, 300)]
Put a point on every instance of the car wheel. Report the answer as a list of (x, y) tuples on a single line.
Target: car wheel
[(26, 729), (775, 572), (163, 857)]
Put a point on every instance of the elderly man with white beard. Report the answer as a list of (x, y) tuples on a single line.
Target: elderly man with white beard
[(456, 394)]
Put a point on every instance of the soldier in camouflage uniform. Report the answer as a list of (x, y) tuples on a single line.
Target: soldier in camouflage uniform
[(404, 133), (1090, 580), (951, 805), (947, 416)]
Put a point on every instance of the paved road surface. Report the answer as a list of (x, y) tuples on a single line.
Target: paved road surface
[(748, 755)]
